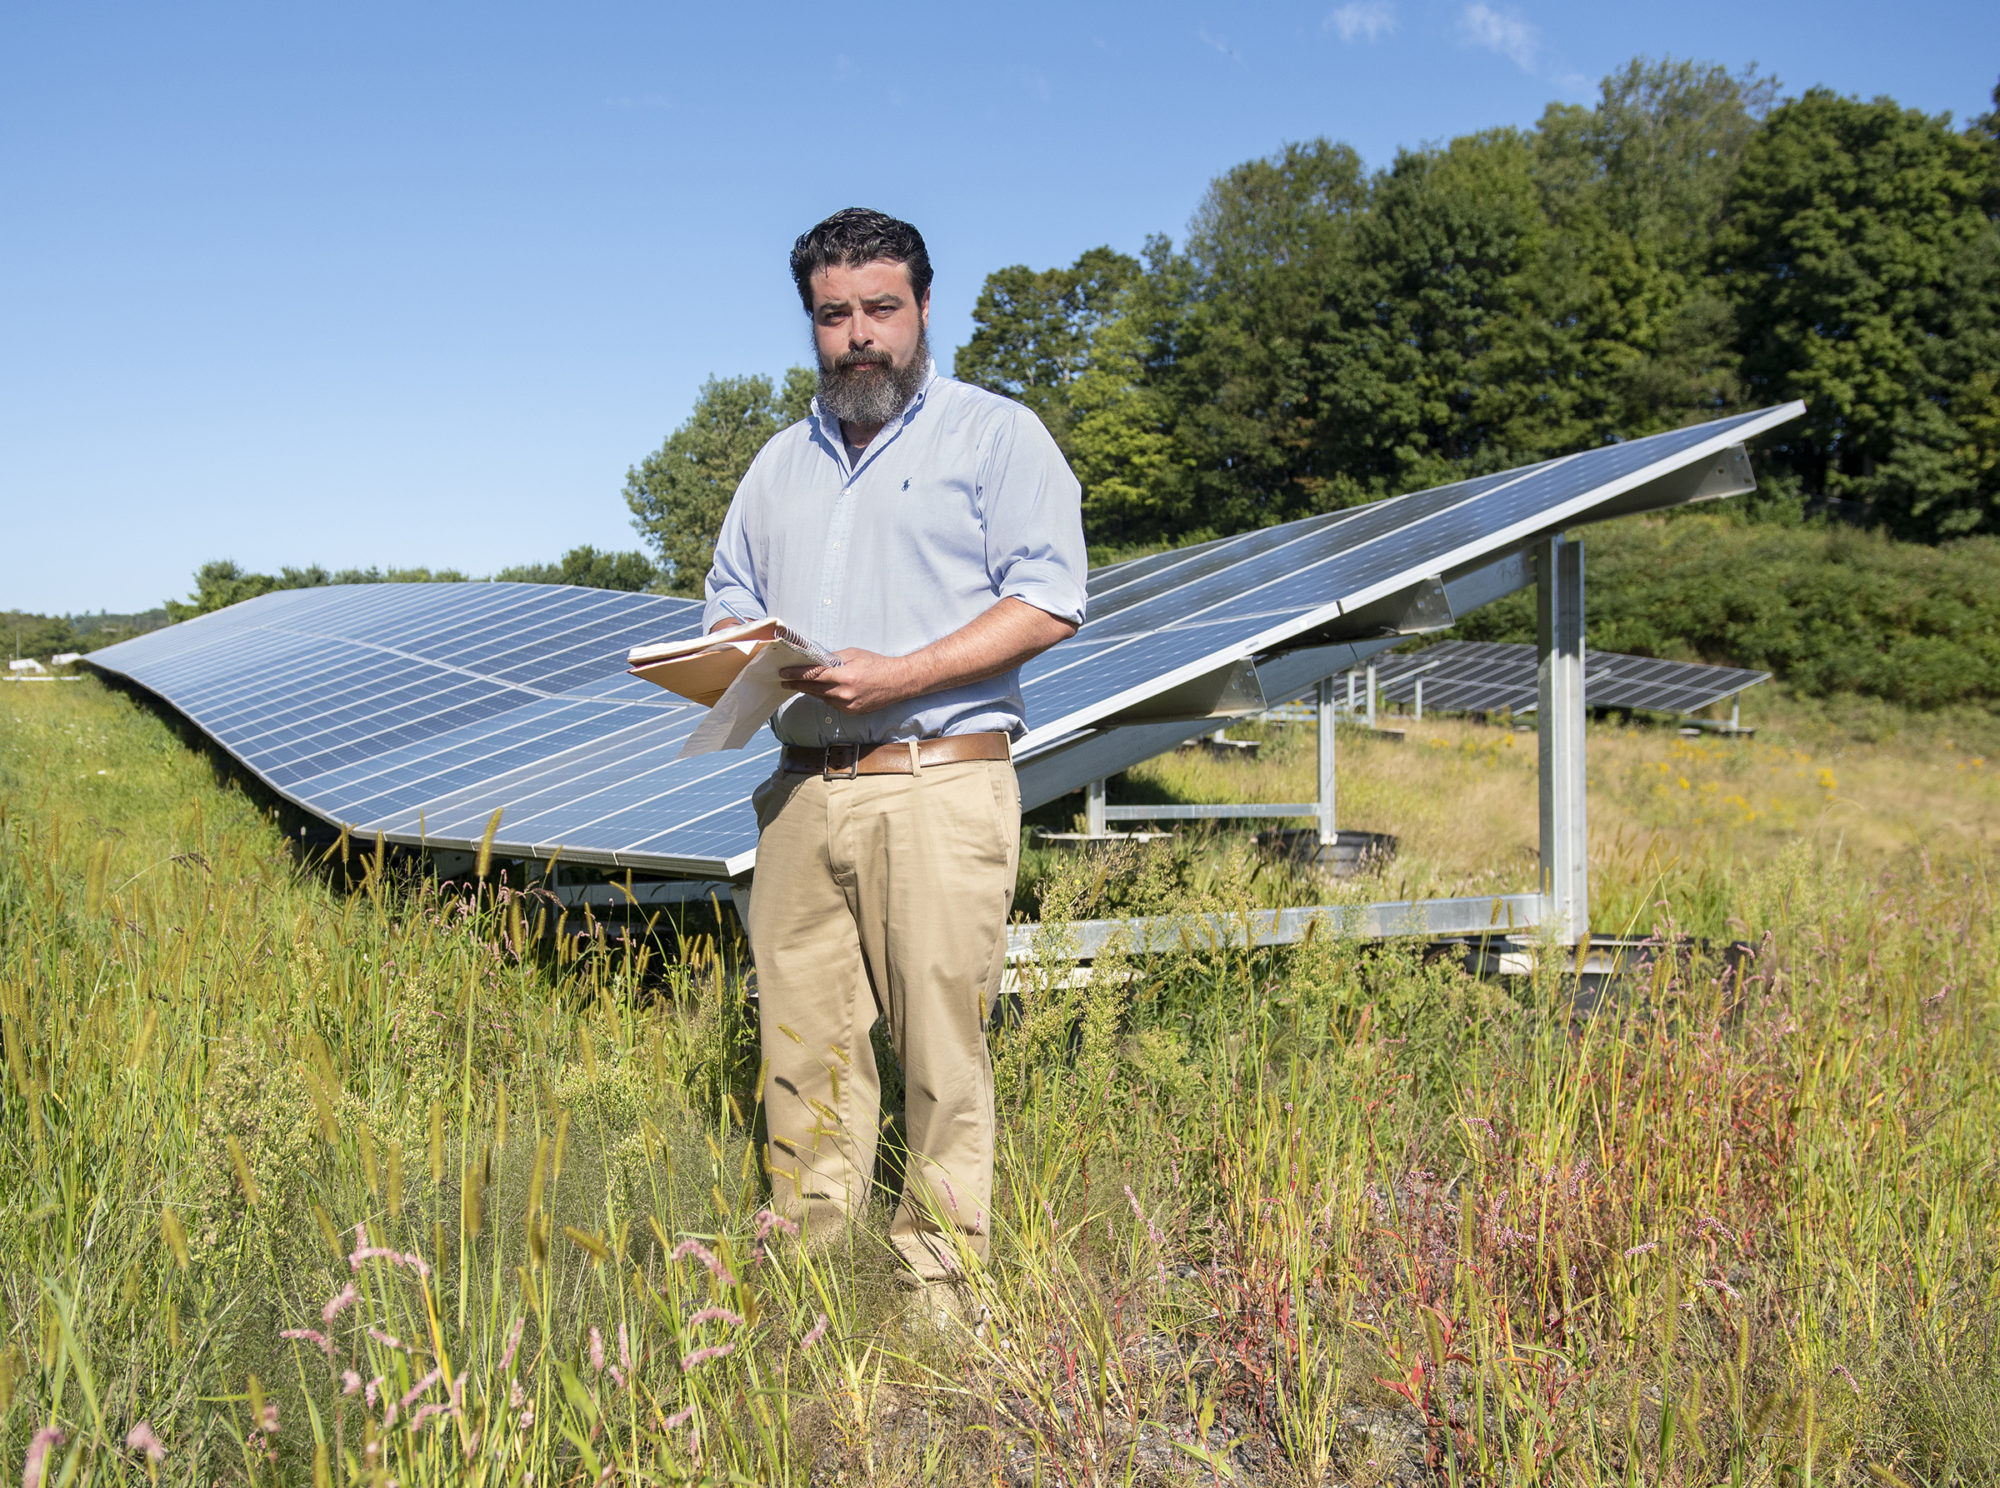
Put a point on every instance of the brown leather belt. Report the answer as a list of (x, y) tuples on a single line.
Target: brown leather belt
[(904, 757)]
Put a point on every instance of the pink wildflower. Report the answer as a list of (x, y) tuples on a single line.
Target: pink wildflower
[(596, 1351), (410, 1396), (715, 1315), (678, 1419), (1639, 1250), (387, 1340), (624, 1348), (141, 1439), (702, 1356), (374, 1386), (36, 1462), (1152, 1230), (769, 1220), (340, 1302), (350, 1383), (410, 1260), (433, 1409), (312, 1336), (270, 1422), (513, 1342), (818, 1332), (707, 1257)]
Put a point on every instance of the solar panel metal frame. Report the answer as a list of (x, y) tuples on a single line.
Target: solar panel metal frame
[(1300, 601)]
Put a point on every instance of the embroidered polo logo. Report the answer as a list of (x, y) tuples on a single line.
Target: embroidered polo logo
[(906, 483)]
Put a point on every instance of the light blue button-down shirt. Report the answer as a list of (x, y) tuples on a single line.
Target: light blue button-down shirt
[(960, 502)]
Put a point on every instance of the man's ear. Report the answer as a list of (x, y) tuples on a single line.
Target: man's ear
[(924, 309)]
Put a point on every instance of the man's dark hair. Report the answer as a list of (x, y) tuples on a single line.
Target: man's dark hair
[(855, 236)]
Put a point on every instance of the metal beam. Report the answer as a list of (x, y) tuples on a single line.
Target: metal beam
[(1084, 940), (1559, 711), (1324, 697), (1209, 813)]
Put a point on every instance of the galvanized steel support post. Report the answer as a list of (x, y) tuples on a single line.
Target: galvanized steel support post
[(1559, 709), (1326, 827), (1093, 807)]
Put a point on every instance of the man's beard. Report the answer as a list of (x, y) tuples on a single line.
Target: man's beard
[(866, 387)]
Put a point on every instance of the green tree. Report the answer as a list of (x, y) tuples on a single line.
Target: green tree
[(40, 636), (1032, 331), (1121, 441), (587, 568), (1635, 188), (1239, 326), (680, 493), (1859, 255), (222, 583), (1443, 352)]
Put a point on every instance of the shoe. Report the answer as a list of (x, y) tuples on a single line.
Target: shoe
[(946, 1307)]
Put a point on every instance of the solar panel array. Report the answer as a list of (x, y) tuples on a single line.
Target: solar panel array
[(417, 710), (1160, 620), (1496, 677)]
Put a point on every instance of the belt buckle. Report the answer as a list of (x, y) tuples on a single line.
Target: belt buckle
[(851, 752)]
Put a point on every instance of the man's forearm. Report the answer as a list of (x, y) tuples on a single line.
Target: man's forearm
[(1003, 637)]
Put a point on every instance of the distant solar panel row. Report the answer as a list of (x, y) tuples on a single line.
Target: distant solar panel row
[(417, 710), (1495, 677)]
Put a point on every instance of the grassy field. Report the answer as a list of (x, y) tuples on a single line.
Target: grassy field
[(318, 1181), (1676, 822)]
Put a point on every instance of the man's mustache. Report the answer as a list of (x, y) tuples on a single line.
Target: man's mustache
[(867, 357)]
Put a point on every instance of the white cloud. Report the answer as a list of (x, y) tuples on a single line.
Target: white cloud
[(1362, 20), (1481, 25)]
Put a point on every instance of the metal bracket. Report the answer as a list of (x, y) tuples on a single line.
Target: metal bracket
[(1230, 691)]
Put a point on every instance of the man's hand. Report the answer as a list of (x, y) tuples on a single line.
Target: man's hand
[(863, 682), (1005, 636)]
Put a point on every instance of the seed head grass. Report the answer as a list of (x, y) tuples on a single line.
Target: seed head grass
[(346, 1176)]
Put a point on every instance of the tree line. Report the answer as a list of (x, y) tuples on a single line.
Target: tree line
[(1689, 246)]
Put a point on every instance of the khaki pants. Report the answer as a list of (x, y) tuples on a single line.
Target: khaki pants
[(884, 894)]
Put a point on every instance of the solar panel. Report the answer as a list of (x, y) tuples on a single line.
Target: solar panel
[(417, 710), (1495, 676)]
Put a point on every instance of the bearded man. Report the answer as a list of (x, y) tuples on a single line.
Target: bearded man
[(931, 534)]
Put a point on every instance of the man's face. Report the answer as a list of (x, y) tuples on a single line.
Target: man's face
[(869, 331), (867, 309)]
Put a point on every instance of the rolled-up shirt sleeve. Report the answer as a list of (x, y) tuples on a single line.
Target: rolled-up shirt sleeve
[(1033, 510), (731, 586)]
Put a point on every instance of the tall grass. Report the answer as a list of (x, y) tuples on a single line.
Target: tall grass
[(310, 1182)]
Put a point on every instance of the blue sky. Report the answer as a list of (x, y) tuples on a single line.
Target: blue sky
[(416, 284)]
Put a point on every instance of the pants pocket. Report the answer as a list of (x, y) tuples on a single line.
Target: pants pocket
[(768, 797)]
